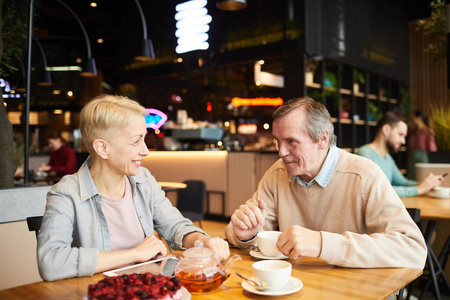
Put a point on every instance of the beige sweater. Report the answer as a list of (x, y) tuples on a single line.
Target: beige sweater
[(364, 223)]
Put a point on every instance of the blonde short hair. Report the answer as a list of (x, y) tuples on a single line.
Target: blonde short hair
[(104, 115)]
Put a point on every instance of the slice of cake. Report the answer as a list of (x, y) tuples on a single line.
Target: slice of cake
[(136, 286)]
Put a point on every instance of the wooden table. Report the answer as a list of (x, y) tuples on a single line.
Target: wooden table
[(432, 210), (321, 281), (171, 186)]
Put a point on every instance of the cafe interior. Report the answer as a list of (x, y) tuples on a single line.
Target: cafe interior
[(210, 99)]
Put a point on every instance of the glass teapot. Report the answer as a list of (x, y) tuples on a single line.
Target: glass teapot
[(199, 272)]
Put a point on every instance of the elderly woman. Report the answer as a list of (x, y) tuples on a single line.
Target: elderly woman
[(105, 215)]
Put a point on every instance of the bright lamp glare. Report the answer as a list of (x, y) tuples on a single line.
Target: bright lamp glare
[(191, 4), (192, 26), (194, 22), (193, 39), (191, 47), (191, 30), (192, 13)]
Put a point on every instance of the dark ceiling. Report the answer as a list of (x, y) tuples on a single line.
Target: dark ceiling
[(118, 23)]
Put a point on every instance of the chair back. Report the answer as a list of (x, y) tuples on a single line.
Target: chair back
[(192, 198), (415, 214), (34, 224)]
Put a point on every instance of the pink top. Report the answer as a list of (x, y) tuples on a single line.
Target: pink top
[(125, 229), (422, 139)]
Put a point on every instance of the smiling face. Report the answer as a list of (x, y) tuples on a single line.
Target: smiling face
[(300, 153), (127, 148)]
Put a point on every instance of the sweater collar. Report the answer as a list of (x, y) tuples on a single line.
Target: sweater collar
[(325, 172)]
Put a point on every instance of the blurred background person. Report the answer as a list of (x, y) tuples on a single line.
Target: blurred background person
[(421, 141), (63, 159), (390, 135)]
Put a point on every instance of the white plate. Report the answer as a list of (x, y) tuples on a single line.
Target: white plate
[(294, 285), (262, 256), (435, 195)]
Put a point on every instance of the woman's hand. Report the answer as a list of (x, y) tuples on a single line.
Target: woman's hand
[(150, 248)]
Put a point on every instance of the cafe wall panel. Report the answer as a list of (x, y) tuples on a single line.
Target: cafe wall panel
[(242, 179), (428, 75), (265, 161)]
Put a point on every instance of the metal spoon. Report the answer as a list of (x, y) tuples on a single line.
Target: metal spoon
[(259, 285), (254, 248)]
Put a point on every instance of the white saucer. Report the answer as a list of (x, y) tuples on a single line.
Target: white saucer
[(435, 195), (294, 285), (262, 256)]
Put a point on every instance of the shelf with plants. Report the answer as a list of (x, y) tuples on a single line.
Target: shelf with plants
[(356, 99)]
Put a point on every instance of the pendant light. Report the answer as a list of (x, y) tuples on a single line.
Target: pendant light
[(146, 51), (231, 4), (89, 67)]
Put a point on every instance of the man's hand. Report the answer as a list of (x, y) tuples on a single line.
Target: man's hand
[(248, 219), (298, 241), (219, 246), (150, 247), (429, 183)]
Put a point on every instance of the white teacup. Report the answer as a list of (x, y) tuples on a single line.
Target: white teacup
[(441, 191), (267, 242), (275, 272)]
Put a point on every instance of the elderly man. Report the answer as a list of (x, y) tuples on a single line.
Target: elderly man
[(328, 203), (390, 135)]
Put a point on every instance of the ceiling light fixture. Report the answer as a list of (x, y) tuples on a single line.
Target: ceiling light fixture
[(44, 77), (192, 26), (64, 69), (231, 4), (146, 51), (89, 68)]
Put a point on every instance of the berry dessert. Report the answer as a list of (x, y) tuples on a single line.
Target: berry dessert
[(136, 286)]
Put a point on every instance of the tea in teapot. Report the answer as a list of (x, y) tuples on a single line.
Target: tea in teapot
[(199, 272)]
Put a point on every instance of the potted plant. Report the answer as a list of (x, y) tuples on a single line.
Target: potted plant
[(311, 66), (374, 112), (440, 118), (435, 26), (359, 79)]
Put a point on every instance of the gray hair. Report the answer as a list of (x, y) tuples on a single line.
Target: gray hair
[(318, 119)]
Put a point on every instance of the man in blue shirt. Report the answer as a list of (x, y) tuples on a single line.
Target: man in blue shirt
[(390, 135)]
